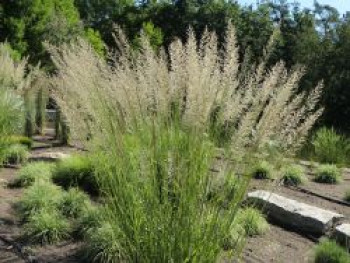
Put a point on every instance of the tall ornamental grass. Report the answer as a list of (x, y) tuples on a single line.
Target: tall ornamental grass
[(153, 121)]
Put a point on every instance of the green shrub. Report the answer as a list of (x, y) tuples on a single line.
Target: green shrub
[(74, 202), (347, 196), (46, 226), (263, 170), (329, 252), (23, 140), (76, 171), (328, 174), (31, 172), (252, 221), (103, 244), (90, 218), (41, 195), (16, 154), (293, 175), (329, 147)]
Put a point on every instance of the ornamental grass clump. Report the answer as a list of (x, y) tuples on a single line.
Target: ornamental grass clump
[(153, 121), (74, 202), (46, 226), (328, 174), (330, 252), (263, 170), (293, 175), (16, 154), (31, 172)]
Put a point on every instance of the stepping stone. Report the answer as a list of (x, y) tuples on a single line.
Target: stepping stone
[(294, 214), (342, 234), (48, 156)]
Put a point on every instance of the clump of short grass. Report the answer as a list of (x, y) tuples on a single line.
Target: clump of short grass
[(46, 226), (76, 171), (16, 154), (103, 245), (328, 174), (330, 252), (263, 170), (74, 202), (41, 195), (293, 175), (347, 196), (90, 218), (253, 221), (31, 172), (23, 140)]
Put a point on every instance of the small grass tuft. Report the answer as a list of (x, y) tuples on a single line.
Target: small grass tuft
[(328, 174), (90, 218), (46, 226), (74, 202), (347, 196), (76, 171), (16, 154), (293, 175), (329, 252), (41, 195), (253, 221), (31, 172), (23, 140), (263, 170), (103, 244)]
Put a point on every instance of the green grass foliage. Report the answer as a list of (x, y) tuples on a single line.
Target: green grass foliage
[(329, 252), (31, 172), (16, 154), (74, 203), (263, 170), (328, 174), (76, 171), (46, 226), (330, 147), (293, 175)]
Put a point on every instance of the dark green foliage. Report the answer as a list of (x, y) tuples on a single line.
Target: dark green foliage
[(90, 219), (76, 171), (330, 252), (328, 174), (293, 175), (263, 170)]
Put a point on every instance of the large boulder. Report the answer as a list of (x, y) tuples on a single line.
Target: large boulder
[(293, 214)]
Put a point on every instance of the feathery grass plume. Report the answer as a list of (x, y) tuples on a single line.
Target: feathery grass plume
[(149, 120)]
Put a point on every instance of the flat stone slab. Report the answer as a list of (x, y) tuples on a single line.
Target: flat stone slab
[(294, 214), (342, 234), (48, 156)]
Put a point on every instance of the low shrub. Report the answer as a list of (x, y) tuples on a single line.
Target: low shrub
[(347, 196), (103, 244), (31, 172), (23, 140), (328, 174), (90, 218), (76, 171), (329, 252), (46, 226), (74, 202), (253, 221), (16, 154), (330, 147), (263, 170), (41, 195), (293, 175)]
